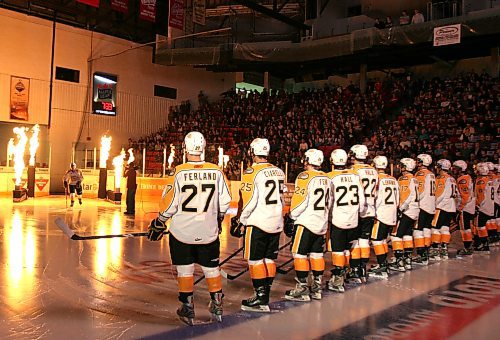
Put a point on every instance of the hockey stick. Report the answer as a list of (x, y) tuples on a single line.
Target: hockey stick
[(72, 235), (235, 276), (220, 264)]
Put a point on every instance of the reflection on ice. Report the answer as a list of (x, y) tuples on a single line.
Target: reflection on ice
[(21, 260)]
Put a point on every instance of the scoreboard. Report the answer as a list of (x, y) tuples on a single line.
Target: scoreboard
[(104, 94)]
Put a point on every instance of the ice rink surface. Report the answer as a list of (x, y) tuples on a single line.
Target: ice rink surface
[(125, 288)]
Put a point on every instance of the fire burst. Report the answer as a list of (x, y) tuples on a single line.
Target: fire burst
[(118, 164), (131, 157), (34, 144), (171, 156), (105, 147), (19, 152)]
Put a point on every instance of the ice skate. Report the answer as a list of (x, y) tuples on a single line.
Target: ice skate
[(379, 272), (354, 276), (444, 252), (316, 289), (482, 249), (80, 201), (421, 260), (300, 293), (186, 312), (408, 262), (397, 264), (257, 303), (336, 284), (72, 203), (434, 254), (464, 252), (215, 307)]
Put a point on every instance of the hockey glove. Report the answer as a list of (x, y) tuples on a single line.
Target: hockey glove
[(289, 227), (237, 228), (156, 229), (400, 215)]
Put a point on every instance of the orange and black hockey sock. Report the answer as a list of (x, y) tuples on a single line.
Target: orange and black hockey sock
[(258, 273), (317, 263), (301, 265), (270, 271)]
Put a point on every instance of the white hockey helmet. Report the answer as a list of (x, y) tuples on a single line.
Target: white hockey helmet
[(194, 143), (380, 162), (444, 164), (482, 169), (462, 165), (425, 159), (360, 151), (338, 157), (260, 147), (72, 165), (408, 163), (314, 157)]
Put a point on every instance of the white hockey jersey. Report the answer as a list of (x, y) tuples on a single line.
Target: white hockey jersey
[(348, 201), (426, 190), (194, 195), (73, 176), (446, 193), (387, 199), (485, 195), (310, 201), (369, 180), (261, 197)]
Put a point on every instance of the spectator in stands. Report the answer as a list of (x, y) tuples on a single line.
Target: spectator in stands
[(339, 117), (404, 18), (379, 24), (388, 22), (418, 17)]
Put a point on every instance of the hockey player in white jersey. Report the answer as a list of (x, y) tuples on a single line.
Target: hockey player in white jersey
[(369, 180), (386, 212), (196, 197), (72, 182), (260, 215), (402, 239), (348, 202), (427, 204), (446, 208), (308, 223), (485, 207)]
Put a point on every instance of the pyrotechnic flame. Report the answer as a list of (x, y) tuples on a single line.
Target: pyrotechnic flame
[(19, 153), (221, 157), (118, 164), (171, 156), (131, 157), (34, 143), (10, 149), (105, 147), (225, 160)]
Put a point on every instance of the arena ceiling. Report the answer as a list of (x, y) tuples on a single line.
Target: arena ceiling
[(128, 26)]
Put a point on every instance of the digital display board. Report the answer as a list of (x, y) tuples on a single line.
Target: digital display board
[(104, 94)]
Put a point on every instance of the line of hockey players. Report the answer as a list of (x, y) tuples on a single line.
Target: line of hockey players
[(348, 208)]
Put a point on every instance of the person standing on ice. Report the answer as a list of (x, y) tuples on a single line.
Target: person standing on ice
[(196, 198), (72, 182)]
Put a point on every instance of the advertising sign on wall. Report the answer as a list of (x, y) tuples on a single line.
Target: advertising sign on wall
[(19, 98), (447, 35)]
